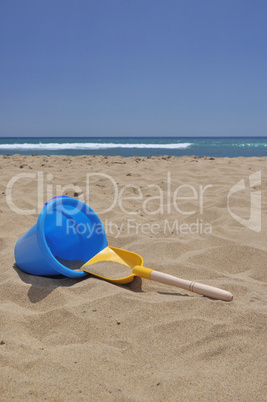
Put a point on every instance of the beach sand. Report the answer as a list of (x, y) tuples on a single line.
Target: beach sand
[(65, 339)]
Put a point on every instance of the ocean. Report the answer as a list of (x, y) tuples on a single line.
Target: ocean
[(137, 146)]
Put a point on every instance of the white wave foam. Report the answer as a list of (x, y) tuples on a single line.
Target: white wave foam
[(91, 146), (251, 145)]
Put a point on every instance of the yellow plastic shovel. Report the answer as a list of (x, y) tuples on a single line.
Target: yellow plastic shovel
[(135, 262)]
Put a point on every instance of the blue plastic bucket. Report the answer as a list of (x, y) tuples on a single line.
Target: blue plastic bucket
[(66, 229)]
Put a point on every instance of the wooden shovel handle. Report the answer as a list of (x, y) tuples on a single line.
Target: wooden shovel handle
[(195, 287)]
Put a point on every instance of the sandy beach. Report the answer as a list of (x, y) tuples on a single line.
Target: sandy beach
[(196, 218)]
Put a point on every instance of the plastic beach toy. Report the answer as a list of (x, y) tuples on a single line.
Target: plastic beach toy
[(68, 229), (135, 262)]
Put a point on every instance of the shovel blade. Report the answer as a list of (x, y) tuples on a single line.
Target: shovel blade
[(119, 256)]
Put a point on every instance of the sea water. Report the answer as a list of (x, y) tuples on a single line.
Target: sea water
[(136, 146)]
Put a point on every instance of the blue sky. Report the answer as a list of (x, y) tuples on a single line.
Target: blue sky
[(133, 68)]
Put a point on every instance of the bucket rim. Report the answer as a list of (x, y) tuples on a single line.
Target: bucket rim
[(41, 238)]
